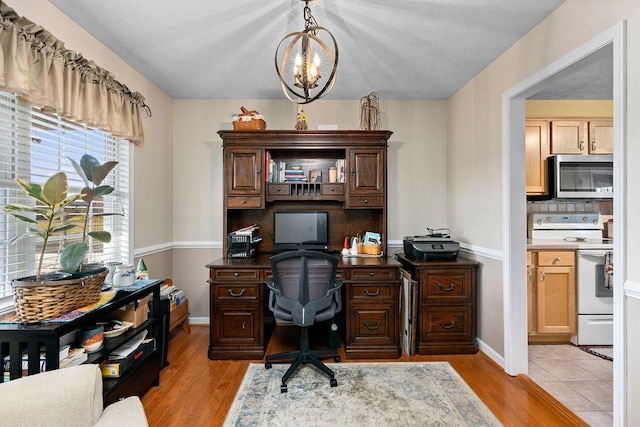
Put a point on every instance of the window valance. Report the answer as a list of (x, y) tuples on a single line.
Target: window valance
[(41, 72)]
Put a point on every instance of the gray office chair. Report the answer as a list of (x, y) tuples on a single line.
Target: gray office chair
[(304, 291)]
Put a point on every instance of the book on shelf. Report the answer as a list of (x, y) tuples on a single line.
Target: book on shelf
[(77, 356), (246, 231), (340, 170), (67, 357)]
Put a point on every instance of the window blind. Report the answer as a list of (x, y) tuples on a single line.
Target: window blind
[(33, 146)]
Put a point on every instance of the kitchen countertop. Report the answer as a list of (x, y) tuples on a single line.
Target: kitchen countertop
[(605, 244)]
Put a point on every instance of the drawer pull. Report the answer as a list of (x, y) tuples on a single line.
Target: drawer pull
[(233, 294), (209, 281), (244, 326), (236, 274), (447, 326), (448, 289), (372, 294), (371, 327)]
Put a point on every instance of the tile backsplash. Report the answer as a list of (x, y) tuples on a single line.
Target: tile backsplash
[(604, 207)]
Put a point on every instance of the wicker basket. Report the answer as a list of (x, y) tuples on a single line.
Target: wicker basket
[(371, 249), (249, 120), (39, 301)]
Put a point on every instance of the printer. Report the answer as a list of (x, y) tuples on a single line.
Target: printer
[(430, 248)]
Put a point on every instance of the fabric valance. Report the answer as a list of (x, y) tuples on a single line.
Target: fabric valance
[(42, 73)]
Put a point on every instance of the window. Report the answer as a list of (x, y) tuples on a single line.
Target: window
[(33, 146)]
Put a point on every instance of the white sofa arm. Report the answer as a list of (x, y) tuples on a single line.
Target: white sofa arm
[(124, 413), (65, 397)]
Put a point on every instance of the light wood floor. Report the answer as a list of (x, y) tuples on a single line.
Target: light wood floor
[(195, 391)]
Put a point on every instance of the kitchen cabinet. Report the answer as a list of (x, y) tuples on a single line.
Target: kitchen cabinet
[(582, 136), (536, 151), (552, 301)]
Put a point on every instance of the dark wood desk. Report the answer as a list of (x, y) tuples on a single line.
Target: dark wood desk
[(240, 322)]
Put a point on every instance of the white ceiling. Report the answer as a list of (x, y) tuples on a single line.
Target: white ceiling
[(402, 49)]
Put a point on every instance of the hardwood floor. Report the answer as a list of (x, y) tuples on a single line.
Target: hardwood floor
[(196, 391)]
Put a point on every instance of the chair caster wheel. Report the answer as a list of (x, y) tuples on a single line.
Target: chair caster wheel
[(268, 365), (337, 359), (283, 388), (333, 382)]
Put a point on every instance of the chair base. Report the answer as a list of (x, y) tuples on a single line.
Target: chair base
[(304, 356)]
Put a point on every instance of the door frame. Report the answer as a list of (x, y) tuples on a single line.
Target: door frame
[(514, 208)]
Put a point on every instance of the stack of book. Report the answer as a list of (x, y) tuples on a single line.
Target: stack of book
[(175, 295), (294, 175), (340, 170), (67, 357)]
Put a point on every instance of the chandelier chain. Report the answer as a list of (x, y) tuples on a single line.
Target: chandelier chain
[(309, 20)]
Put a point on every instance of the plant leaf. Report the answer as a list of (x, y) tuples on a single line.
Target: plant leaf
[(63, 227), (102, 171), (102, 236), (79, 171), (88, 195), (89, 164), (102, 190), (33, 190), (25, 219), (55, 189), (72, 256)]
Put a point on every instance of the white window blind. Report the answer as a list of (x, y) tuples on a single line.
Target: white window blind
[(33, 146)]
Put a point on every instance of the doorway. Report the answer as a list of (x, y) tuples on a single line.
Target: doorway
[(514, 204)]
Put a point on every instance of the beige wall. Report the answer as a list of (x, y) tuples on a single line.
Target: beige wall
[(475, 137), (568, 108)]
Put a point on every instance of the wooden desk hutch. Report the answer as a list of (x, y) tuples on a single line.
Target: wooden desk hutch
[(240, 322)]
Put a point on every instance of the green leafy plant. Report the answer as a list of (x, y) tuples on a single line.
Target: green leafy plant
[(93, 174), (51, 201)]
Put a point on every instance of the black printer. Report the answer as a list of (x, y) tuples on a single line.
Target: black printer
[(430, 248)]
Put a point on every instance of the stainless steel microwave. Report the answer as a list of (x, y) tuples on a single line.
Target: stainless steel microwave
[(581, 176)]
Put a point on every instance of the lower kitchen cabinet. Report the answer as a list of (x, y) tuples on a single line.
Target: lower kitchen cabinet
[(446, 309), (552, 295)]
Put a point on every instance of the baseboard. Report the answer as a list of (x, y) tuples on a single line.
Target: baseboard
[(491, 353), (198, 320)]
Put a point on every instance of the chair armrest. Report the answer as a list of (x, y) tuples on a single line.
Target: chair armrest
[(124, 413)]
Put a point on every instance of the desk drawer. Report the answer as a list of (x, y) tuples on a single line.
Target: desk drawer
[(448, 286), (446, 323), (236, 275), (279, 189), (363, 292), (328, 189), (244, 202), (373, 274), (240, 292), (366, 202)]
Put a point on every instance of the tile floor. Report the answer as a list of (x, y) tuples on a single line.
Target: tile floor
[(581, 381)]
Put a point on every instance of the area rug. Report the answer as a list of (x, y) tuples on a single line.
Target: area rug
[(368, 394), (603, 351)]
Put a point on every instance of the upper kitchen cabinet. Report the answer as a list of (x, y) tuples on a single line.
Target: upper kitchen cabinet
[(582, 136), (537, 151)]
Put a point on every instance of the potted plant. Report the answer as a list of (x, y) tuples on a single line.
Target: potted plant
[(45, 296)]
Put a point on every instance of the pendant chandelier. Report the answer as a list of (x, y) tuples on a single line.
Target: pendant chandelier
[(311, 73)]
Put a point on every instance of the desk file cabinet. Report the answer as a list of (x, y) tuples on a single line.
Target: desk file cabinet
[(446, 317)]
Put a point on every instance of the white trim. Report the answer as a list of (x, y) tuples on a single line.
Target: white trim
[(494, 355), (514, 243), (198, 245), (131, 199), (481, 251), (199, 320), (632, 289), (149, 250)]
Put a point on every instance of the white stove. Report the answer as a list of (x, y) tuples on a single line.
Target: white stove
[(594, 295)]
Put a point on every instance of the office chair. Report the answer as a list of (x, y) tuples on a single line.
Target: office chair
[(304, 291)]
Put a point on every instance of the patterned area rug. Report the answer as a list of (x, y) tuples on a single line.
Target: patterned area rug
[(368, 394)]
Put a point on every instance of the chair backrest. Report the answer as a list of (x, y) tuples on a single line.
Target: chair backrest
[(305, 283)]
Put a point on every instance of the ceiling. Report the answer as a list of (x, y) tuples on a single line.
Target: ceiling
[(402, 49)]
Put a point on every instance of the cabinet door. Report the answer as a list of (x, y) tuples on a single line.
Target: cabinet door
[(366, 178), (244, 172), (531, 301), (601, 137), (556, 300), (569, 137), (236, 325), (537, 151)]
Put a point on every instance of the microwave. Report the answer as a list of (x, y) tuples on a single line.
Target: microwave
[(580, 176)]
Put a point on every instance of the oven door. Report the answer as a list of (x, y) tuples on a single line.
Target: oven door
[(593, 295)]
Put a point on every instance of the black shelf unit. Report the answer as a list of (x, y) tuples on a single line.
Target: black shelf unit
[(16, 339)]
